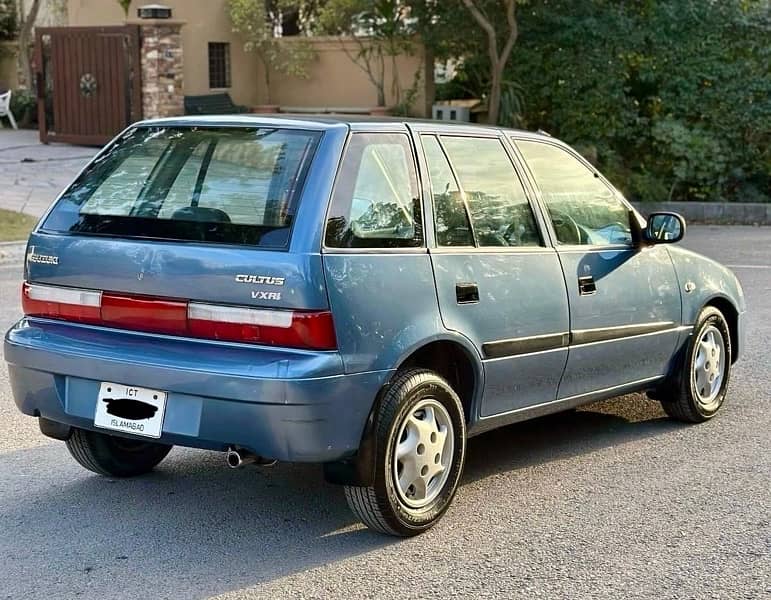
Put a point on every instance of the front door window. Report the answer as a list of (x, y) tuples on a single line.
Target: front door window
[(582, 208)]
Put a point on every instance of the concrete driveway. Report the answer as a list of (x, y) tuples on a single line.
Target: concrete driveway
[(32, 174), (614, 501)]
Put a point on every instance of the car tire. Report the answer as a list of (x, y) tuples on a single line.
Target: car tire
[(420, 440), (699, 390), (114, 456)]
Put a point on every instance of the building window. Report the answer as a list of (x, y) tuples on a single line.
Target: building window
[(219, 65)]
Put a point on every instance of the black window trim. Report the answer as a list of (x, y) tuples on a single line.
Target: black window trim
[(542, 204), (542, 219), (423, 248), (438, 138)]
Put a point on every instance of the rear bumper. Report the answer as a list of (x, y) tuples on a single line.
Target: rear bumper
[(286, 404)]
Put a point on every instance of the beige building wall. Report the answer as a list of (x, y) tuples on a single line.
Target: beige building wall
[(205, 21), (334, 80)]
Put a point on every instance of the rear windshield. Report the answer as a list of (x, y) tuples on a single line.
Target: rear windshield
[(226, 185)]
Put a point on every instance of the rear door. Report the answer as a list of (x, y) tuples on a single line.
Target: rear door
[(497, 281), (624, 300)]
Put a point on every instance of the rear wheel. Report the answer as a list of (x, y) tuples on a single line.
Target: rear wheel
[(700, 390), (420, 435), (114, 456)]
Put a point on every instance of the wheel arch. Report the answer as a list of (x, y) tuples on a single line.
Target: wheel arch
[(456, 363), (449, 357), (731, 314)]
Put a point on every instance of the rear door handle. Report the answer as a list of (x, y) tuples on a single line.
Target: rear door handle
[(466, 293), (586, 286)]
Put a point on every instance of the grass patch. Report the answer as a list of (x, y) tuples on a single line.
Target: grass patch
[(15, 226)]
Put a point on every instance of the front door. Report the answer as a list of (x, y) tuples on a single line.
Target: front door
[(624, 301), (497, 281)]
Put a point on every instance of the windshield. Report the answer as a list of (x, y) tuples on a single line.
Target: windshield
[(227, 185)]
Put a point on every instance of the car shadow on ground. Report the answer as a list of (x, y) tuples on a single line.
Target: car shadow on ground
[(194, 528), (567, 434)]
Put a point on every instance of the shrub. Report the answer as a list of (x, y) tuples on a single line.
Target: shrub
[(673, 95), (9, 25)]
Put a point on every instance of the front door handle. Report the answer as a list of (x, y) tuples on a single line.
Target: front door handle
[(586, 286), (466, 293)]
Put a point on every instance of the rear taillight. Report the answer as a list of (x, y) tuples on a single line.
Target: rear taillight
[(275, 327), (83, 306), (296, 329)]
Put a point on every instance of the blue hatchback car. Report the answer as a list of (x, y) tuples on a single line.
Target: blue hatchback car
[(359, 293)]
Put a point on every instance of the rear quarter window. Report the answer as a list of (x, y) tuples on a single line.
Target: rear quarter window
[(229, 185), (375, 203)]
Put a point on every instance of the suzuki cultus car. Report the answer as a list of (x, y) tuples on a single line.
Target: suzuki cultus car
[(362, 294)]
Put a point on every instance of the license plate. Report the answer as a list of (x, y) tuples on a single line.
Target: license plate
[(130, 409)]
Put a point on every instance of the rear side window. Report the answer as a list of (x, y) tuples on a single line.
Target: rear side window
[(375, 203), (228, 185), (500, 212), (450, 216)]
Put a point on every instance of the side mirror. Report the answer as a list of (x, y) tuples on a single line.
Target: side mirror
[(664, 228)]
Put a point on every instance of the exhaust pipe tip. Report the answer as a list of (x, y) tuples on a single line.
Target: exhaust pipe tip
[(237, 457)]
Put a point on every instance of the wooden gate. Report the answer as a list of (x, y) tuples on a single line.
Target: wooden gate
[(88, 82)]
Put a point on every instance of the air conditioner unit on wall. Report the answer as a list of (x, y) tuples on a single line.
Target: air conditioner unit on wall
[(449, 112)]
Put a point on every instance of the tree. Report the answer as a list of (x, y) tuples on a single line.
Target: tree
[(26, 25), (381, 31), (673, 102), (124, 4), (257, 21), (479, 34), (498, 58)]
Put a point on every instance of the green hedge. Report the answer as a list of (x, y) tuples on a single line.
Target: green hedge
[(671, 96)]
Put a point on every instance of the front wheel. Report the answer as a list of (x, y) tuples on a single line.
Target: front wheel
[(700, 389), (420, 438), (114, 456)]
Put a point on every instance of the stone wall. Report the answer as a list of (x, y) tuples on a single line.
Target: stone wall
[(162, 68)]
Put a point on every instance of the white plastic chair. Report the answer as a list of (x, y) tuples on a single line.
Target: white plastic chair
[(5, 109)]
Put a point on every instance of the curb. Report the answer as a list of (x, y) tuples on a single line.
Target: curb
[(713, 213)]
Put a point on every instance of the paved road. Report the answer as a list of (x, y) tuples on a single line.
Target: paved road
[(32, 174), (614, 501)]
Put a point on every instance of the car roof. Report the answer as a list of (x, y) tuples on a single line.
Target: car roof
[(322, 122)]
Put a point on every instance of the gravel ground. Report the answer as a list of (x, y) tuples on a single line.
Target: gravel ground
[(614, 501)]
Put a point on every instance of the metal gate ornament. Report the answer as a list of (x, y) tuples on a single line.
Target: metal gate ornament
[(87, 85)]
